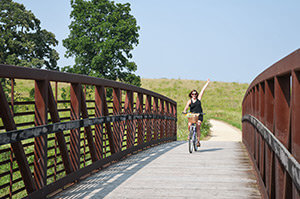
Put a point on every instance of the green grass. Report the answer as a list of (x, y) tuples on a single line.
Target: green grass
[(221, 100)]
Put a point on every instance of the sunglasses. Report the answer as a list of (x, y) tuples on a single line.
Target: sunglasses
[(194, 93)]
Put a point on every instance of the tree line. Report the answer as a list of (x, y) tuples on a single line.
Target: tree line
[(102, 35)]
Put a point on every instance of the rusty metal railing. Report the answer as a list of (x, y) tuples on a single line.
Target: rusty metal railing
[(71, 125), (271, 127)]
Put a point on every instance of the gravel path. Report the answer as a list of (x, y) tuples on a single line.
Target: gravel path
[(222, 131)]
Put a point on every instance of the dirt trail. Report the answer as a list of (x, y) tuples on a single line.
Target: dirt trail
[(222, 131)]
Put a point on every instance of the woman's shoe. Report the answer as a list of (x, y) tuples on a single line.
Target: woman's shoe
[(198, 144)]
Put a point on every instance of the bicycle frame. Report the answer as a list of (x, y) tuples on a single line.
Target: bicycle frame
[(193, 138), (193, 134)]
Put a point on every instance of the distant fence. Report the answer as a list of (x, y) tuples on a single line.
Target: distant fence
[(61, 127), (271, 127)]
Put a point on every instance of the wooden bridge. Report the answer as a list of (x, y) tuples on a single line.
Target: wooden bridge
[(220, 169), (51, 141)]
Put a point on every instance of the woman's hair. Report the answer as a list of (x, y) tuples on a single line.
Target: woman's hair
[(190, 95)]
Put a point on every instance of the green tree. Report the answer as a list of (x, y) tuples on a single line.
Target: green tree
[(102, 36), (22, 41)]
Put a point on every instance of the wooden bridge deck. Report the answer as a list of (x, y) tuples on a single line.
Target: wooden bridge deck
[(218, 170)]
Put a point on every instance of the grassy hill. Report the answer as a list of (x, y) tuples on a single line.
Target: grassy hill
[(221, 100)]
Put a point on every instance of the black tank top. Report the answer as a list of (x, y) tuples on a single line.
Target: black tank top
[(196, 106)]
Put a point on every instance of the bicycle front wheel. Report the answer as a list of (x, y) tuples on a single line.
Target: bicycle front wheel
[(195, 143), (191, 142)]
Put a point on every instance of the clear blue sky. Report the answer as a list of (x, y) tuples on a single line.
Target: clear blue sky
[(231, 41)]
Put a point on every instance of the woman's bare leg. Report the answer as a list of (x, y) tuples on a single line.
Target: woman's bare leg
[(198, 129), (189, 125)]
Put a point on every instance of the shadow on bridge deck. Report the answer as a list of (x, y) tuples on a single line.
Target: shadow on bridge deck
[(218, 170), (100, 184), (209, 150)]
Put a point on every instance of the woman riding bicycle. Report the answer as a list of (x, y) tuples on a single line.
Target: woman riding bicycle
[(195, 107)]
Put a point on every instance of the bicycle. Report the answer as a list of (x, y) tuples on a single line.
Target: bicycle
[(193, 119)]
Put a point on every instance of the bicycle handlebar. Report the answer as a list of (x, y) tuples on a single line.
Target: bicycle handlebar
[(194, 113)]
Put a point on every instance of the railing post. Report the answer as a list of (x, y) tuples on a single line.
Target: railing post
[(167, 124), (122, 123), (261, 140), (244, 111), (248, 132), (248, 128), (252, 129), (269, 122), (139, 108), (59, 136), (75, 133), (12, 95), (295, 124), (256, 134), (162, 121), (17, 147), (175, 122), (88, 130), (129, 123), (282, 127), (155, 121), (171, 121), (116, 125), (148, 121), (40, 143), (100, 103)]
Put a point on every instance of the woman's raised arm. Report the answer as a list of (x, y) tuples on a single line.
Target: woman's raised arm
[(203, 89)]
